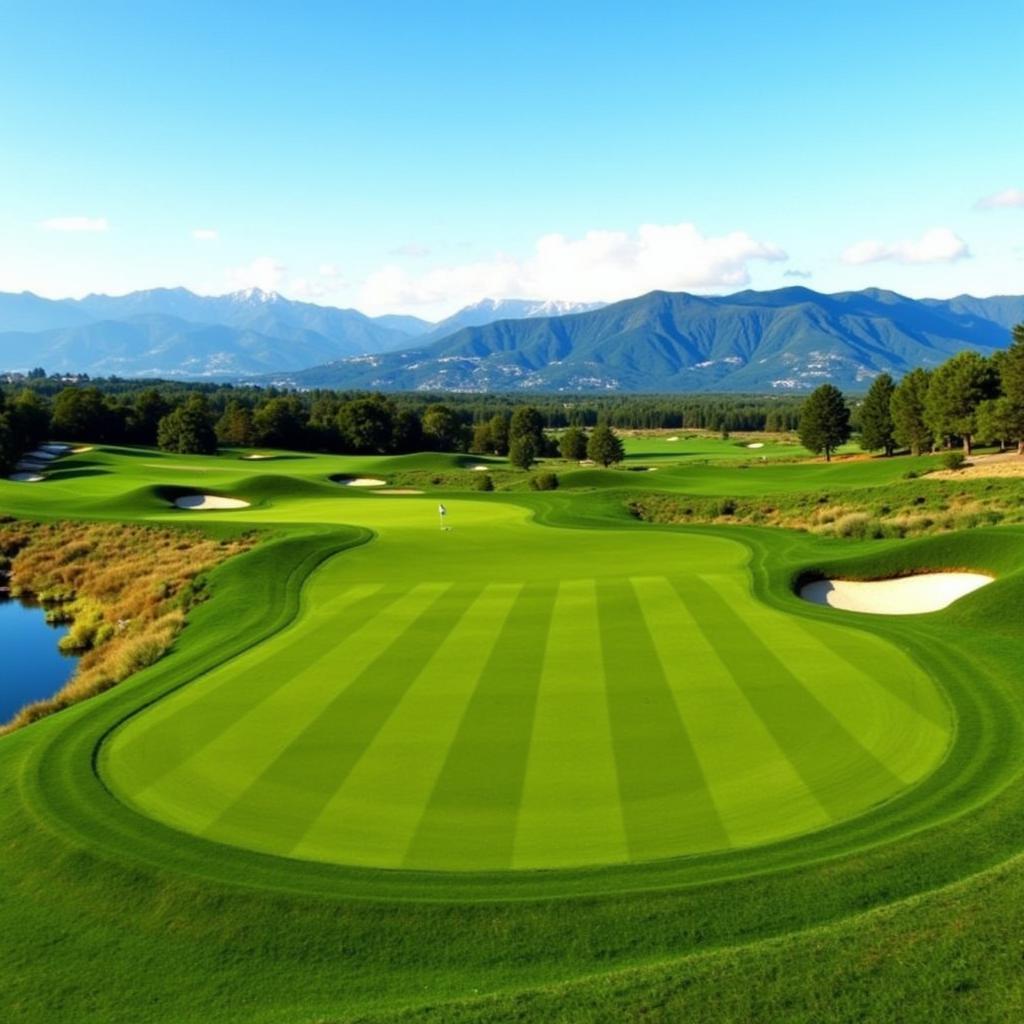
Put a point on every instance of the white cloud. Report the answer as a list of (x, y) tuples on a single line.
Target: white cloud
[(205, 234), (600, 266), (264, 273), (75, 224), (937, 245), (1007, 199), (797, 273)]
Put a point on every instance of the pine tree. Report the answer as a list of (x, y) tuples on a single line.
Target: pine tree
[(824, 421), (876, 426), (522, 453), (573, 444), (957, 388), (604, 446), (910, 427), (1011, 372)]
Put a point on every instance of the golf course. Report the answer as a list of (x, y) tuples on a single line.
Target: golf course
[(416, 729)]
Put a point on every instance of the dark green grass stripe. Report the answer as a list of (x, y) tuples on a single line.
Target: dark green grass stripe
[(806, 731), (666, 801), (916, 692), (299, 783), (198, 723), (470, 818)]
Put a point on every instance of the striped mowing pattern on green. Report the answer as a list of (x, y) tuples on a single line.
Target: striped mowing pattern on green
[(493, 725)]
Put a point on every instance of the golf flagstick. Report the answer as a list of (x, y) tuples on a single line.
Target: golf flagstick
[(441, 513)]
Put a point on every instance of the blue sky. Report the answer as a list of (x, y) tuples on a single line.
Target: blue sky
[(414, 157)]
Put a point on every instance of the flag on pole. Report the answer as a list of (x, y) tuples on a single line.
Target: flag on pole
[(442, 512)]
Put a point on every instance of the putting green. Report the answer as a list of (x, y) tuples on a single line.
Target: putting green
[(506, 695)]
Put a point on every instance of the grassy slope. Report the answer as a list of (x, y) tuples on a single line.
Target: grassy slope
[(882, 930)]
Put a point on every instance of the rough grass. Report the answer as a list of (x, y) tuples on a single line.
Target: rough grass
[(911, 508), (125, 590)]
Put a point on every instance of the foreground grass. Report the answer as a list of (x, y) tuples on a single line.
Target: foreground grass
[(911, 913)]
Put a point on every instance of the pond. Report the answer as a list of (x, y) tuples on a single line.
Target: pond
[(33, 667)]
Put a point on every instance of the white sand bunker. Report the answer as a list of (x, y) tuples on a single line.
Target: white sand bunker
[(672, 438), (208, 502), (400, 490), (40, 456), (480, 469), (361, 481), (81, 449), (905, 595), (756, 444), (26, 478), (258, 457)]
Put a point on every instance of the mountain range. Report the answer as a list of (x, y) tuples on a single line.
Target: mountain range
[(790, 339)]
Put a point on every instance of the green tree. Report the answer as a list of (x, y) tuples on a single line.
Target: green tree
[(527, 422), (499, 433), (442, 428), (280, 423), (1011, 373), (483, 438), (367, 425), (188, 429), (522, 452), (29, 419), (604, 446), (408, 432), (144, 416), (824, 421), (994, 420), (876, 425), (235, 425), (81, 414), (909, 400), (956, 390), (572, 444)]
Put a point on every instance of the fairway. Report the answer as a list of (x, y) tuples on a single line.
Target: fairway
[(505, 695)]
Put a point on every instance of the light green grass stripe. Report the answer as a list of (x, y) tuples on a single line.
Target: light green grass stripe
[(195, 715), (216, 775), (372, 816), (470, 819), (666, 803), (758, 793), (859, 694), (843, 775), (570, 811), (293, 790)]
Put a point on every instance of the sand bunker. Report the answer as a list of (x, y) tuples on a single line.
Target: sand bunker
[(81, 449), (479, 469), (55, 449), (207, 502), (673, 438), (756, 444), (40, 456), (257, 457), (361, 481), (400, 490), (26, 478), (906, 595)]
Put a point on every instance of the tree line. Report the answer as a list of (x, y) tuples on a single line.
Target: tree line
[(970, 399)]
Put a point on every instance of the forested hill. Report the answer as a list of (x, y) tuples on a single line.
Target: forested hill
[(789, 340)]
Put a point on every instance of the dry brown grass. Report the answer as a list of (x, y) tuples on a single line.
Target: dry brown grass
[(124, 589)]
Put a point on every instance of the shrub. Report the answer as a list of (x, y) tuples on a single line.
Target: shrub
[(544, 482), (485, 482), (953, 460)]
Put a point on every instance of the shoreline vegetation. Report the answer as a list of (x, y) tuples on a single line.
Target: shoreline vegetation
[(125, 591)]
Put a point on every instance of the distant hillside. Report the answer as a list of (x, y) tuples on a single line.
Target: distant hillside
[(786, 340)]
